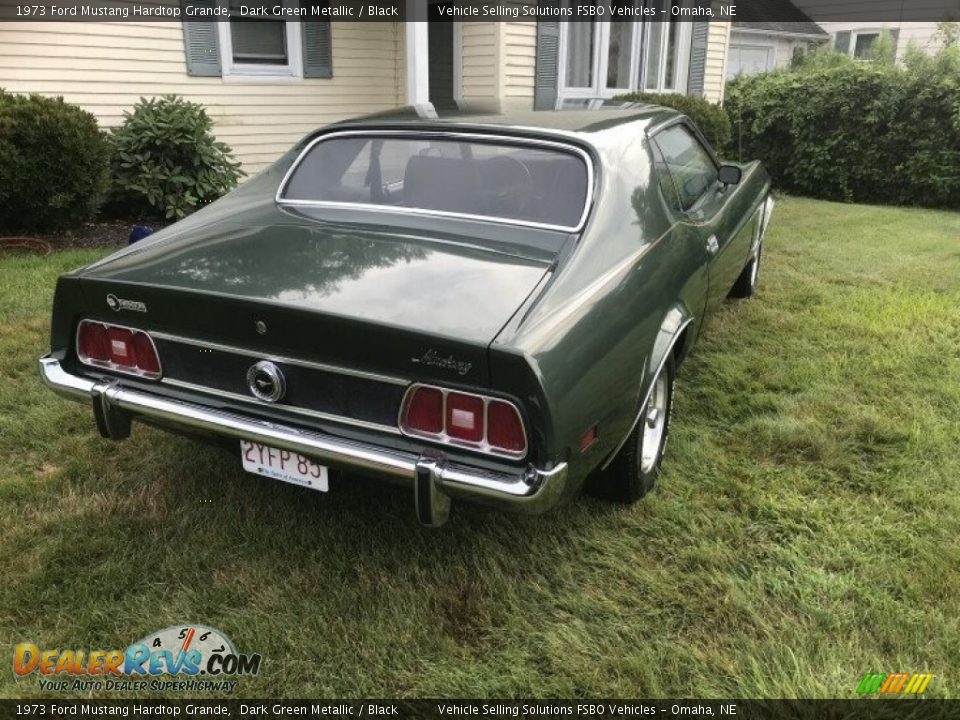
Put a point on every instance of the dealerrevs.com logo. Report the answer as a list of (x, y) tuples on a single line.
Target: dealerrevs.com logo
[(187, 658)]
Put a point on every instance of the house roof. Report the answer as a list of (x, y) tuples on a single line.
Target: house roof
[(775, 16)]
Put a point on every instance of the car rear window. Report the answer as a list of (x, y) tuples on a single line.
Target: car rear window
[(515, 182)]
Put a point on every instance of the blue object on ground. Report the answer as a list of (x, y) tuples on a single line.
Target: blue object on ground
[(139, 232)]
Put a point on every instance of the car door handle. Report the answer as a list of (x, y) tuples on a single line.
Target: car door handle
[(713, 245)]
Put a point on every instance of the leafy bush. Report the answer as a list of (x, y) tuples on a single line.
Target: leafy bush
[(166, 160), (710, 118), (857, 131), (53, 164)]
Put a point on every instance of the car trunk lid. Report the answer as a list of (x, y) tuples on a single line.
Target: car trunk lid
[(414, 305)]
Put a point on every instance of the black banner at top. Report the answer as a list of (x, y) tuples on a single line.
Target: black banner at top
[(760, 14)]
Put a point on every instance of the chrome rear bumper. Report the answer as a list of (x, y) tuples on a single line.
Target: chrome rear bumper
[(435, 480)]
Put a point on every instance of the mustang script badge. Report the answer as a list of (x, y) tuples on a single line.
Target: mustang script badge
[(432, 357), (117, 304)]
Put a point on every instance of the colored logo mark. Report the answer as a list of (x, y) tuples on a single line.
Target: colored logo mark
[(894, 683)]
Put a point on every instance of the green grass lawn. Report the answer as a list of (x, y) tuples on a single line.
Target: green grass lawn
[(805, 530)]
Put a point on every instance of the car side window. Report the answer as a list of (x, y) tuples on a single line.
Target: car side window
[(668, 189), (691, 166)]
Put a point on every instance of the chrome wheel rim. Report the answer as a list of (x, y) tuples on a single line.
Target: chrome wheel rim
[(654, 421)]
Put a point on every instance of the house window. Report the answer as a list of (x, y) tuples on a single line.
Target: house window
[(258, 42), (615, 55), (620, 49), (260, 47), (579, 62), (862, 42)]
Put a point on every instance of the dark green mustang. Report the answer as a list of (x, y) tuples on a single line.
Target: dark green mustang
[(485, 307)]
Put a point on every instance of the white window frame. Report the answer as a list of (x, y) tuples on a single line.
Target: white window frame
[(854, 34), (638, 78), (771, 63), (235, 71), (682, 71)]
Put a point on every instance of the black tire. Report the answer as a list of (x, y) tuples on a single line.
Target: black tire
[(746, 284), (628, 478)]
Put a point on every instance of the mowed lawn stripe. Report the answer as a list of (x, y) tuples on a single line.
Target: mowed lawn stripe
[(803, 533)]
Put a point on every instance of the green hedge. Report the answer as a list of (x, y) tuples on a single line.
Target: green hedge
[(167, 162), (856, 131), (53, 164), (710, 118)]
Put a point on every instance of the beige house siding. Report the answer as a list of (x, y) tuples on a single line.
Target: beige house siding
[(480, 78), (519, 62), (919, 34), (106, 67), (715, 74), (497, 64)]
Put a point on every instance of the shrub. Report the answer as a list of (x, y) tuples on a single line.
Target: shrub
[(710, 118), (53, 164), (856, 131), (166, 160)]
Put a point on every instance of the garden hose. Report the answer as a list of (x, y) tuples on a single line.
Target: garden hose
[(34, 245)]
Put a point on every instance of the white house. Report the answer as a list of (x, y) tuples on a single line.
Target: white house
[(268, 82)]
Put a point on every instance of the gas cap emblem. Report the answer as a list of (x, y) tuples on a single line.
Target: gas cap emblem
[(266, 382)]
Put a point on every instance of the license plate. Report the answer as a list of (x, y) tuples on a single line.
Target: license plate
[(283, 465)]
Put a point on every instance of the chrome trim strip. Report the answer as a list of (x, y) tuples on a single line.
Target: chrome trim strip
[(768, 205), (280, 358), (646, 395), (529, 489), (306, 412), (443, 438), (445, 134)]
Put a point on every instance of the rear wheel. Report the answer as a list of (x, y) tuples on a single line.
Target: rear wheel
[(634, 470), (746, 284)]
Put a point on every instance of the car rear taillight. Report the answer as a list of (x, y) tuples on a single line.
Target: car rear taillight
[(425, 411), (504, 427), (465, 419), (93, 342), (117, 348)]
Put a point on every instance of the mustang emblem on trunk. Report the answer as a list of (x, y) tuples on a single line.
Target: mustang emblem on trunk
[(432, 357), (266, 382), (117, 304)]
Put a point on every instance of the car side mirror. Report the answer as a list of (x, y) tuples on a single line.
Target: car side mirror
[(729, 174)]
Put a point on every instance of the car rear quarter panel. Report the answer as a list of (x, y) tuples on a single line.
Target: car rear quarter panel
[(591, 333)]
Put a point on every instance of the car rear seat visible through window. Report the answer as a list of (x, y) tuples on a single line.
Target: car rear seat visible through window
[(446, 184)]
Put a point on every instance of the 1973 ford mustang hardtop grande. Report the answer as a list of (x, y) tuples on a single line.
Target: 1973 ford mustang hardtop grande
[(489, 308)]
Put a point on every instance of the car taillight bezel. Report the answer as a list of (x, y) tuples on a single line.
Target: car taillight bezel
[(483, 446), (113, 366)]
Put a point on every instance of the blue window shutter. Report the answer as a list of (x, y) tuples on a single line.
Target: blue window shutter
[(698, 58), (842, 42), (315, 37), (201, 45), (548, 59)]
